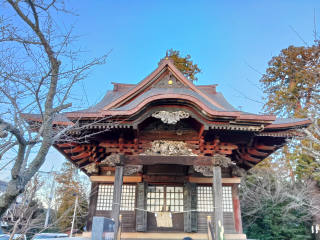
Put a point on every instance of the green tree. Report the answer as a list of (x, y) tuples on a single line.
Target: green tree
[(292, 81), (70, 186), (184, 64)]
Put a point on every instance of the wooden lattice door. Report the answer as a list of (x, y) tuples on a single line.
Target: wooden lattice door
[(165, 199)]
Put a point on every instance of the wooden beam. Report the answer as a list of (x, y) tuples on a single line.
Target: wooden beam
[(182, 160), (253, 151), (165, 179), (264, 147), (247, 163), (81, 155), (73, 150), (166, 235), (64, 145), (209, 180), (110, 179), (203, 131), (108, 168), (82, 160), (249, 158), (117, 190), (217, 200)]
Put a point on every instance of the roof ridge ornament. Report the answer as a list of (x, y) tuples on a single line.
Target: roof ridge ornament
[(167, 57), (170, 117)]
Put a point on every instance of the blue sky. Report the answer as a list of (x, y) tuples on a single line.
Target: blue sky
[(220, 36)]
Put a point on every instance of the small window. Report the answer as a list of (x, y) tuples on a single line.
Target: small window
[(155, 199), (165, 199), (128, 197), (174, 199), (205, 199), (105, 194), (105, 197), (227, 199)]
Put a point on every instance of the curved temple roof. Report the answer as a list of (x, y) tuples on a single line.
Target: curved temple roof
[(128, 99), (245, 137)]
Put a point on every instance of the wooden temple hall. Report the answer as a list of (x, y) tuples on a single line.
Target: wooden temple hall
[(166, 154)]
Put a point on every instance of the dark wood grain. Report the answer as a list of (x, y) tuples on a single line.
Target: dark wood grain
[(117, 189), (217, 199), (182, 160), (141, 216), (165, 179)]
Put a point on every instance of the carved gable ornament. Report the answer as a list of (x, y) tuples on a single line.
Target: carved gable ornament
[(161, 127), (169, 82), (170, 117), (168, 148)]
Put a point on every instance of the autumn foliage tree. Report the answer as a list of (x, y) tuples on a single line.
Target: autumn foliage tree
[(184, 64), (291, 81)]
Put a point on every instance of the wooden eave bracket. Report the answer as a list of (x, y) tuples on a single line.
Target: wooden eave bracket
[(203, 131)]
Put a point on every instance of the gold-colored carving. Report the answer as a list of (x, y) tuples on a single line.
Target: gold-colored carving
[(169, 148)]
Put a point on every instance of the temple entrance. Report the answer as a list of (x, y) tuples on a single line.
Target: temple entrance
[(165, 199)]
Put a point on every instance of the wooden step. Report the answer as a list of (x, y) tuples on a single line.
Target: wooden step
[(168, 236)]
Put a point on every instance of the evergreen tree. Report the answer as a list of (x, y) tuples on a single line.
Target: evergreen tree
[(184, 64), (70, 186)]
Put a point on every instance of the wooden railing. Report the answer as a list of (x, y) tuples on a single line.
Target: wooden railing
[(210, 229)]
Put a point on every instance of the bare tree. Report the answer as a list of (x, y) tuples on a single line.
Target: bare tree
[(38, 67), (21, 216), (29, 216), (269, 190)]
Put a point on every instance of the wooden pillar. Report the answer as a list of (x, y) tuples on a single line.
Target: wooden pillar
[(237, 209), (217, 200), (117, 189), (92, 205)]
